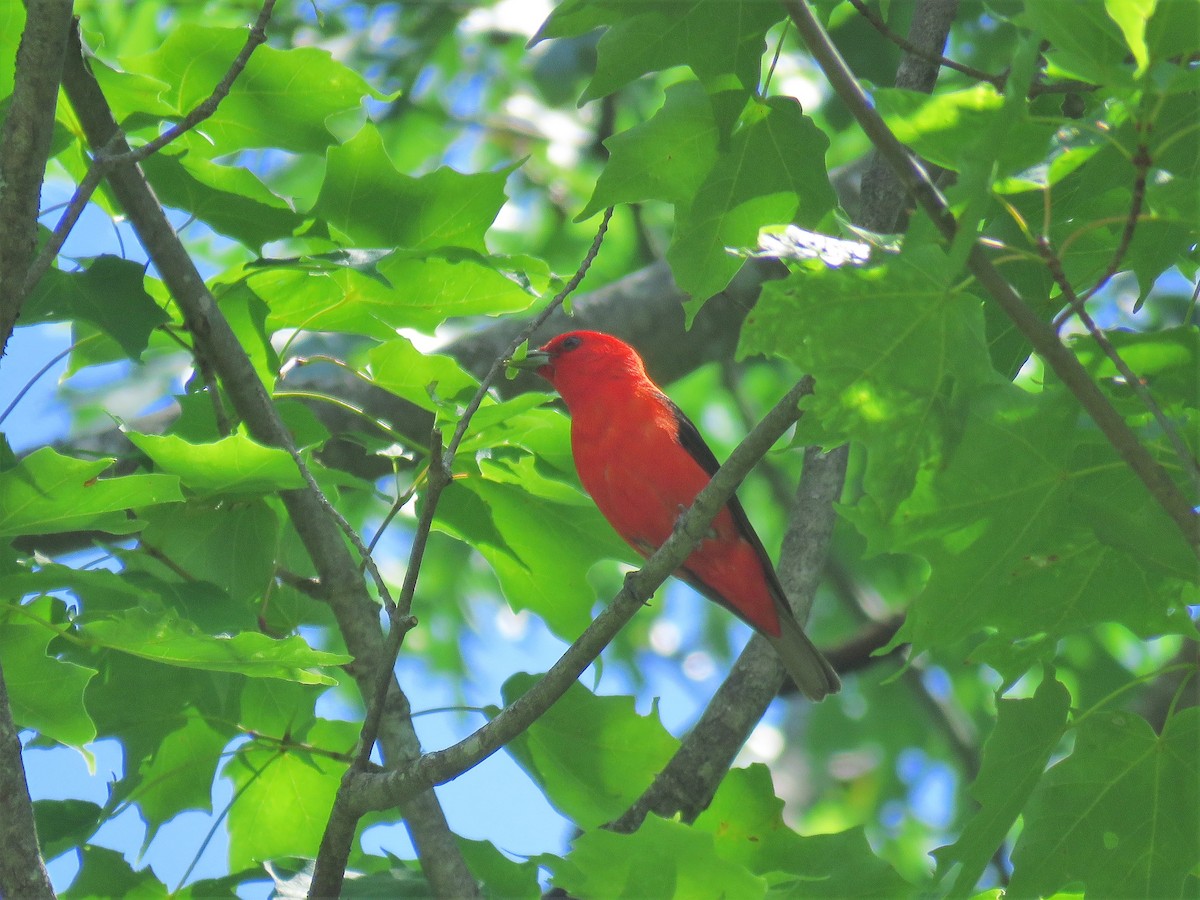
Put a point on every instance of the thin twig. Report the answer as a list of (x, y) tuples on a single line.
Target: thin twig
[(1076, 304), (997, 81), (1141, 166)]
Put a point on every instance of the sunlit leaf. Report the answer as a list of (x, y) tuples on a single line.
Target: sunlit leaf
[(234, 464), (365, 197), (48, 493), (773, 171), (165, 638)]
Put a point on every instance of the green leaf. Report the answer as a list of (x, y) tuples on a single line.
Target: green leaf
[(1131, 16), (946, 128), (979, 517), (247, 316), (745, 819), (773, 172), (109, 293), (1172, 29), (1010, 528), (664, 158), (235, 464), (592, 756), (230, 199), (1027, 732), (284, 796), (366, 198), (892, 350), (1118, 815), (722, 43), (140, 702), (284, 98), (1166, 361), (428, 380), (12, 24), (278, 709), (231, 544), (1085, 43), (501, 877), (165, 638), (105, 873), (63, 825), (418, 292), (45, 693), (49, 493), (540, 548), (179, 775), (660, 859)]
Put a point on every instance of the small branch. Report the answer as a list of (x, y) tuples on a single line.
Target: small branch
[(1141, 166), (1043, 338), (996, 81), (380, 791), (330, 868), (1076, 304)]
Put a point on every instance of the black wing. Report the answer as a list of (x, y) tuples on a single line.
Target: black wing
[(690, 439)]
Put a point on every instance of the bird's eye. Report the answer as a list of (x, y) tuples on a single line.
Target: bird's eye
[(572, 342)]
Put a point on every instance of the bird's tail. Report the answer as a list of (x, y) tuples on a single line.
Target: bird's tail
[(810, 670)]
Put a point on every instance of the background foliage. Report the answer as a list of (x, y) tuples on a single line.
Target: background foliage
[(386, 184)]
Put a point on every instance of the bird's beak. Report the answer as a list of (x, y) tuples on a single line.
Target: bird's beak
[(533, 360)]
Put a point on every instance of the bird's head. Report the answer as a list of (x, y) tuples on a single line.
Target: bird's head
[(578, 362)]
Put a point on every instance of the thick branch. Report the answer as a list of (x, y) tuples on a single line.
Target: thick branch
[(1040, 335), (379, 791), (356, 614), (22, 872), (25, 147)]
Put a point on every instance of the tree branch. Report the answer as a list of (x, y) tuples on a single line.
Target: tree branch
[(25, 147), (1043, 338), (22, 871), (345, 590), (687, 784)]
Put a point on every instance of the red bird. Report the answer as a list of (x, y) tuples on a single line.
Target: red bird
[(643, 462)]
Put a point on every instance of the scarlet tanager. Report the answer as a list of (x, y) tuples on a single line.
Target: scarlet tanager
[(643, 462)]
